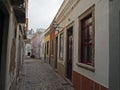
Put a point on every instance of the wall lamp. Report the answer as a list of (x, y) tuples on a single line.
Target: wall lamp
[(56, 26)]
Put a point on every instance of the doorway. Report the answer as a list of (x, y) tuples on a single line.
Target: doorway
[(56, 50), (4, 24), (69, 53), (1, 38), (1, 28)]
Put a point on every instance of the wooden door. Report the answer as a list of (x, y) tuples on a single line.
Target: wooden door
[(1, 29), (69, 52), (4, 24), (56, 50)]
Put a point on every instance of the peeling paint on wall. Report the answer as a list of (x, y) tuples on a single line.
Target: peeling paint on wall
[(12, 58)]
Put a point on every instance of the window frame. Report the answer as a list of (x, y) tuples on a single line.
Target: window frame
[(82, 17), (61, 47)]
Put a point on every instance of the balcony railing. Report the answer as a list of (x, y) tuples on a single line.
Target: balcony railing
[(20, 13), (16, 2), (19, 10)]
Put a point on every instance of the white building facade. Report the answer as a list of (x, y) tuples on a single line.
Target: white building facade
[(35, 44), (13, 30), (30, 34), (87, 56)]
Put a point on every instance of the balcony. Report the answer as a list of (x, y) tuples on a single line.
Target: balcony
[(16, 2), (22, 29), (20, 14), (19, 10)]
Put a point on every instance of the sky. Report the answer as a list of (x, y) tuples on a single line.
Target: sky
[(42, 12)]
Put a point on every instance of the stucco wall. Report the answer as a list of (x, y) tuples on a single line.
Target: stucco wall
[(114, 44), (101, 39), (42, 48), (12, 23)]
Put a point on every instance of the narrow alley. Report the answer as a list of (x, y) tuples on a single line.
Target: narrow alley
[(60, 45), (37, 75)]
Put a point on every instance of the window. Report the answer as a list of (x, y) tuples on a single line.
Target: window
[(43, 48), (15, 32), (61, 46), (52, 48), (47, 48), (87, 38)]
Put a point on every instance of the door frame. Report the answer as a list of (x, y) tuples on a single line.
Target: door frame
[(66, 56), (56, 51), (6, 12)]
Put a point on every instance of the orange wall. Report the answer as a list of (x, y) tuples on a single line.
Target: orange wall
[(52, 35)]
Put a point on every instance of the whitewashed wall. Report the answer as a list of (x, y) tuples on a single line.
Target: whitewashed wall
[(12, 23), (101, 39)]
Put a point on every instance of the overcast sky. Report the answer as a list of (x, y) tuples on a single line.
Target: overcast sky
[(42, 12)]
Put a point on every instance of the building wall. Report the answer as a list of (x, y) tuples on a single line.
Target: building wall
[(114, 35), (10, 75), (101, 74), (61, 69), (52, 49), (61, 64), (35, 48), (35, 43), (42, 46), (9, 54), (47, 56), (3, 57), (30, 34), (20, 55), (81, 82), (14, 60), (62, 7)]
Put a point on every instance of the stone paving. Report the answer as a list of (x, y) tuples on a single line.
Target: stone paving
[(37, 75)]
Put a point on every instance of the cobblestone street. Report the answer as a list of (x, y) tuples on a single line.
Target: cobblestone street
[(37, 75)]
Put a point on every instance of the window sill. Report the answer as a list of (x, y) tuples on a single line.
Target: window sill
[(88, 67)]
